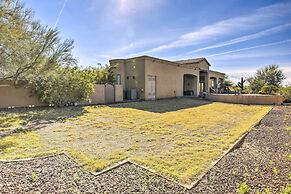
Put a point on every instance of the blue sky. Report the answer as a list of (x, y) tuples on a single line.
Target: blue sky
[(236, 36)]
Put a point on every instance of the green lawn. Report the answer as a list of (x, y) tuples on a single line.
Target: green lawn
[(178, 138)]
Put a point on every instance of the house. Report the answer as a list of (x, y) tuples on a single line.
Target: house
[(154, 78)]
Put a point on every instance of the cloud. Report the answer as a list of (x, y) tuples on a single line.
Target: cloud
[(239, 72), (252, 54), (60, 13), (245, 38), (252, 47), (259, 17)]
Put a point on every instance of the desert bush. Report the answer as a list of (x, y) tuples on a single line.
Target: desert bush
[(65, 86), (286, 93)]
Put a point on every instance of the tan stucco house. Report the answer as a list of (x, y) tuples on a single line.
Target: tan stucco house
[(154, 78)]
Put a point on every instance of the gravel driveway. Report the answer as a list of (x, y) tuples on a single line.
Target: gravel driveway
[(261, 163)]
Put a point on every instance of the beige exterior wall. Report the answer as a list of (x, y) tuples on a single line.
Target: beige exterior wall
[(118, 93), (98, 96), (219, 77), (132, 74), (17, 97), (23, 97), (246, 98), (169, 78), (203, 65)]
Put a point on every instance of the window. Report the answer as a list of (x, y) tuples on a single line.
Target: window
[(118, 79)]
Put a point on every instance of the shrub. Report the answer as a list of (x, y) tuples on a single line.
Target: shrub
[(65, 86), (286, 93), (243, 188)]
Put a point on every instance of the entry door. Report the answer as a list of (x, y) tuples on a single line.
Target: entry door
[(151, 87)]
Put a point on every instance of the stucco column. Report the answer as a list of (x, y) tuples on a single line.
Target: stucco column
[(216, 84), (197, 85), (207, 81)]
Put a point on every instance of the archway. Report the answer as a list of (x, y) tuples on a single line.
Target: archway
[(189, 85)]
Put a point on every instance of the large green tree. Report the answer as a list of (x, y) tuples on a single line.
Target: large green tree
[(28, 48), (266, 80)]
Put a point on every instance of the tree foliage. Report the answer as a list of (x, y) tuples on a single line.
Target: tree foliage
[(103, 74), (286, 93), (266, 80), (227, 84), (65, 86), (28, 48), (36, 54)]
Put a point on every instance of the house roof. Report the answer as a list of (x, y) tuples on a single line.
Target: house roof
[(145, 57), (194, 60)]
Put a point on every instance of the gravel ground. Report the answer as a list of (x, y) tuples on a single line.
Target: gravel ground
[(264, 149), (261, 162)]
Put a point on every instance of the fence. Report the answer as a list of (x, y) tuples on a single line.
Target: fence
[(246, 98), (11, 96)]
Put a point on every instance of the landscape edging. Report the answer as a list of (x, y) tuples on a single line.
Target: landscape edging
[(234, 146)]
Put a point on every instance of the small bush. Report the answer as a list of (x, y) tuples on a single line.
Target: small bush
[(243, 188), (286, 93)]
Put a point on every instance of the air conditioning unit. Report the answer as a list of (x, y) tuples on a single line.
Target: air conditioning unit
[(131, 94)]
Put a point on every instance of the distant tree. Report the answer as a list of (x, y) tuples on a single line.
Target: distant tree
[(227, 84), (27, 48), (103, 74), (286, 93), (266, 80)]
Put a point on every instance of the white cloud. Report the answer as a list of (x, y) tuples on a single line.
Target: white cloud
[(260, 17), (236, 74), (252, 47), (245, 38), (60, 13), (126, 7), (272, 53)]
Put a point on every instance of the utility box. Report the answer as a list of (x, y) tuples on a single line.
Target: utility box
[(131, 94)]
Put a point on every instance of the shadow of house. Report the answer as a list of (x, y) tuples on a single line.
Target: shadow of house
[(163, 105)]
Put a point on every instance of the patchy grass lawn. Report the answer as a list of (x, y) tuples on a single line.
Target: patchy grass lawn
[(178, 138)]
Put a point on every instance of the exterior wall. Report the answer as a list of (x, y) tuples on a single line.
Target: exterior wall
[(118, 93), (98, 96), (17, 97), (169, 78), (246, 98), (23, 97), (135, 76), (190, 83), (132, 73), (119, 68), (218, 78), (201, 65), (215, 74)]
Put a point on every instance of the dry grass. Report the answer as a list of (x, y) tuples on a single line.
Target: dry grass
[(179, 143)]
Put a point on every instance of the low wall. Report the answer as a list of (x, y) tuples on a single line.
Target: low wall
[(17, 97), (118, 93), (11, 96), (246, 98)]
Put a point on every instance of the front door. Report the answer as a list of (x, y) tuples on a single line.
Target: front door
[(151, 87)]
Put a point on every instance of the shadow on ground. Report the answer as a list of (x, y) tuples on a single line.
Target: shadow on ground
[(164, 105), (27, 119)]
